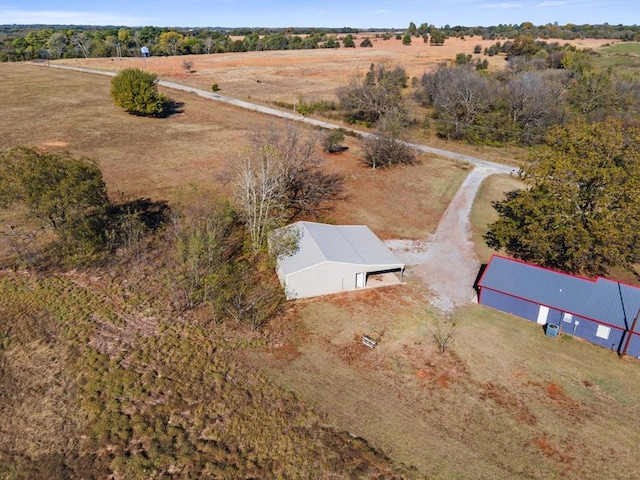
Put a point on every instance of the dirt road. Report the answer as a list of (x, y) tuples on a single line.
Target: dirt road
[(446, 261)]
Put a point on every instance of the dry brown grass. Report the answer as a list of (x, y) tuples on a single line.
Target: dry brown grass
[(506, 402), (283, 76), (175, 158), (483, 213), (158, 158)]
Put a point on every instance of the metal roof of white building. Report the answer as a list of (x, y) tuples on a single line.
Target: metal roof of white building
[(346, 244)]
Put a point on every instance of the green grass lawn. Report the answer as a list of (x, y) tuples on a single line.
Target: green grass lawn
[(623, 58)]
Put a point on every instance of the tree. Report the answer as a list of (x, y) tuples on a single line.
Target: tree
[(82, 42), (207, 267), (533, 103), (443, 333), (278, 180), (462, 59), (581, 212), (406, 40), (386, 147), (460, 96), (437, 37), (170, 41), (367, 99), (348, 42), (60, 192), (331, 141), (187, 65), (137, 92), (593, 93), (58, 43)]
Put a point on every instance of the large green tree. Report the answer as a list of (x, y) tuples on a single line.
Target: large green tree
[(137, 92), (59, 192), (581, 212)]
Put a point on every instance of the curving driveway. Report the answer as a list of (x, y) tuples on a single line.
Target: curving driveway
[(446, 261)]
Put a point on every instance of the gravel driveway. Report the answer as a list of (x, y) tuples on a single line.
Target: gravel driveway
[(446, 261)]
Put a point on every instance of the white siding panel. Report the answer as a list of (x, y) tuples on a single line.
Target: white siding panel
[(322, 279)]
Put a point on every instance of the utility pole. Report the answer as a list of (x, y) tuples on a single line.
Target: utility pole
[(630, 335)]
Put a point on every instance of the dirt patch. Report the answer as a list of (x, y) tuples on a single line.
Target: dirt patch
[(53, 144), (513, 405)]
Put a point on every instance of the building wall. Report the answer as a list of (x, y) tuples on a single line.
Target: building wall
[(588, 329), (634, 346), (578, 326), (508, 304), (322, 279)]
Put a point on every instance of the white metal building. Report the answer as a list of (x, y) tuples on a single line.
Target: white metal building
[(336, 258)]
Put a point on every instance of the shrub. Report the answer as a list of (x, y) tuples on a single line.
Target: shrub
[(187, 65), (348, 41), (331, 142), (215, 87), (366, 43), (137, 92)]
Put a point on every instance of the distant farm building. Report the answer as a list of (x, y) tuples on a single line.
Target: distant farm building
[(332, 259), (602, 311), (144, 51)]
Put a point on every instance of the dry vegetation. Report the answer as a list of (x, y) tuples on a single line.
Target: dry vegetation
[(110, 384), (284, 76)]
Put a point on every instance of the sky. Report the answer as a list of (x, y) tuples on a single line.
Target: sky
[(317, 13)]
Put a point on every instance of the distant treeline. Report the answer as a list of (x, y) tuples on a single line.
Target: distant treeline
[(31, 42)]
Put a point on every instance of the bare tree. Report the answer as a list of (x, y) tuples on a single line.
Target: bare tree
[(187, 65), (534, 103), (386, 147), (280, 179), (461, 96), (443, 333), (379, 92), (258, 180)]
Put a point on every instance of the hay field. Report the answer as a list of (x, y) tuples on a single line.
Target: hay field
[(287, 76), (177, 159)]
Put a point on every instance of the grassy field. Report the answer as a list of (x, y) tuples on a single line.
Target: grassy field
[(623, 58), (91, 388), (483, 213), (505, 402), (172, 159)]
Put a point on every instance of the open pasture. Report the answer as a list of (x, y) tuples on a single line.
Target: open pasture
[(504, 402), (288, 76)]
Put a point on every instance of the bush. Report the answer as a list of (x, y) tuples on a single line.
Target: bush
[(386, 148), (215, 87), (137, 92), (348, 41), (366, 43), (462, 59), (331, 142)]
